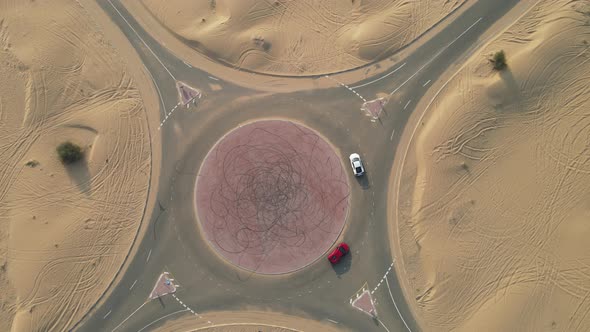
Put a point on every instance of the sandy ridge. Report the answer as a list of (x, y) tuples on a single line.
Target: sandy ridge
[(66, 230), (530, 90)]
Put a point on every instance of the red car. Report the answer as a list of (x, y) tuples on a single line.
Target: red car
[(341, 250)]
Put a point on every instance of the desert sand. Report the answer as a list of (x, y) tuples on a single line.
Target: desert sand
[(64, 230), (307, 37), (245, 321), (493, 221)]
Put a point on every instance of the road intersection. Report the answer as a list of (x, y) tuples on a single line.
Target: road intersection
[(173, 242)]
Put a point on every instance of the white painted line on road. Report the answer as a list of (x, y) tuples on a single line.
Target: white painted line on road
[(184, 305), (213, 78), (396, 308), (173, 109), (385, 327), (408, 103), (333, 321), (425, 84), (130, 288), (436, 56), (187, 64), (159, 319), (143, 41), (380, 78), (384, 277), (347, 87), (157, 89), (133, 313), (107, 315), (149, 254), (391, 137)]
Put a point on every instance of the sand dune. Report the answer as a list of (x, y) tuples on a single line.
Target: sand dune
[(64, 231), (304, 37), (494, 232)]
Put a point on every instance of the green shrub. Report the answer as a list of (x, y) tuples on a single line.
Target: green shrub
[(499, 60), (69, 152)]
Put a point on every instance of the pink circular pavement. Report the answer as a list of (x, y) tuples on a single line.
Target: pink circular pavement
[(272, 196)]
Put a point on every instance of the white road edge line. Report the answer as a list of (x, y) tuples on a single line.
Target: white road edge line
[(330, 320), (159, 319), (149, 254), (107, 315), (143, 41), (158, 89), (396, 308), (436, 56), (133, 285), (385, 327), (187, 64), (380, 78), (133, 313), (213, 78)]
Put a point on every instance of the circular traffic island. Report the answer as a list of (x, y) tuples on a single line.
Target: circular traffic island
[(272, 196)]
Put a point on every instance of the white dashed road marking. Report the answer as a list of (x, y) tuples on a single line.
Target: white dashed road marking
[(185, 306), (435, 56), (133, 285), (213, 78), (408, 103), (174, 109), (346, 86), (384, 277), (425, 84), (149, 254), (107, 315), (380, 78)]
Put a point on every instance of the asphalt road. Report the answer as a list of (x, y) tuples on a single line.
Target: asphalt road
[(173, 242)]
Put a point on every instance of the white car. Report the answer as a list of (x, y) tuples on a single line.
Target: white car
[(357, 164)]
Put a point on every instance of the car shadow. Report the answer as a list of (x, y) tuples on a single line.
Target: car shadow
[(344, 265), (363, 181)]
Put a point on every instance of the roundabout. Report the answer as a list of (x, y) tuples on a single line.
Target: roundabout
[(255, 188), (272, 196)]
